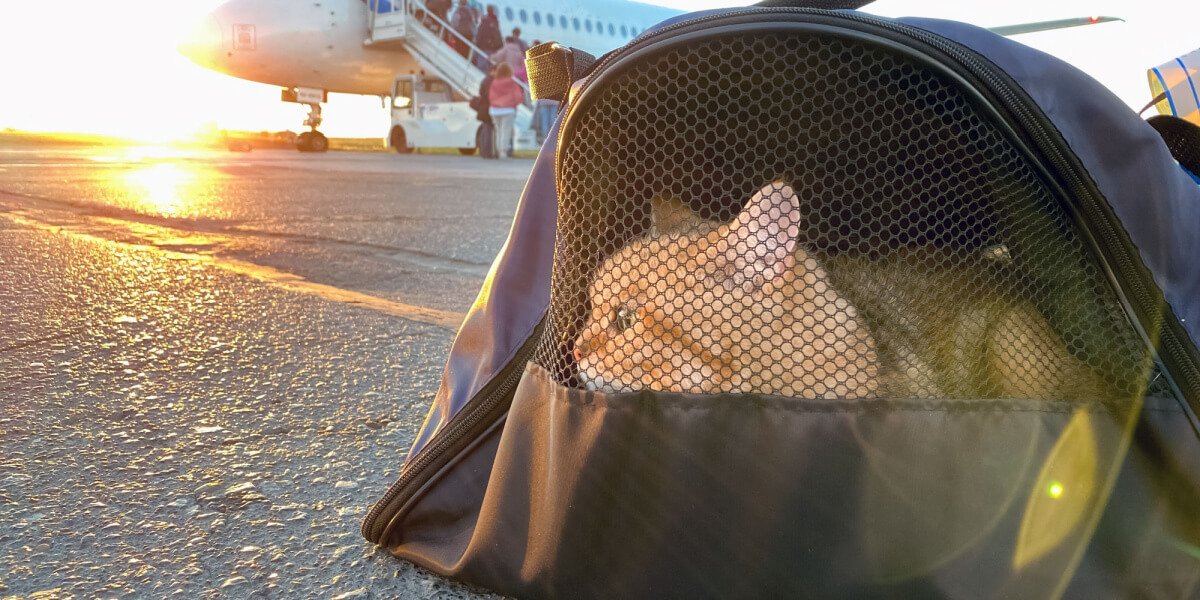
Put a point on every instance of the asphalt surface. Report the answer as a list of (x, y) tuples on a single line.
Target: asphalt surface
[(211, 364)]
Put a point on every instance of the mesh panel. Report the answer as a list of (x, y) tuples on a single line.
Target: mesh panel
[(817, 218)]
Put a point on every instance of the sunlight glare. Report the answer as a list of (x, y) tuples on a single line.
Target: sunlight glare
[(158, 187), (1051, 516)]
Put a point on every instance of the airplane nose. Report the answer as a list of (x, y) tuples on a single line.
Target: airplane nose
[(203, 43)]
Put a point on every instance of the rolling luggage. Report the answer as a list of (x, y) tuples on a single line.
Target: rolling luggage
[(485, 140), (810, 303)]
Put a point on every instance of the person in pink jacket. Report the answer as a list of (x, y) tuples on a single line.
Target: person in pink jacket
[(504, 96), (512, 54)]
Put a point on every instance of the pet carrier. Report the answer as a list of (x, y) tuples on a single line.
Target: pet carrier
[(812, 303)]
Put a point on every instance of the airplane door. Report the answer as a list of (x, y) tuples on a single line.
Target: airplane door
[(388, 19)]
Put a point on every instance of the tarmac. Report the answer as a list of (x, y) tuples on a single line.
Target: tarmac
[(211, 364)]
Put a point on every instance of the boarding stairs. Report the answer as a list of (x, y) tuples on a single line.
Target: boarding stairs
[(408, 25)]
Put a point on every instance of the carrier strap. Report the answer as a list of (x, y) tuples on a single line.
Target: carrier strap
[(553, 68), (1182, 138)]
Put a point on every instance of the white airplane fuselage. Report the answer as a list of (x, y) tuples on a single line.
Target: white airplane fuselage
[(319, 44)]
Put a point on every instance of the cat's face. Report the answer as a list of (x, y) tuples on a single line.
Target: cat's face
[(704, 307), (645, 303)]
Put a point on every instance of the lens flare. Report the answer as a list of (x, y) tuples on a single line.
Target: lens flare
[(158, 188), (1055, 490), (1050, 519)]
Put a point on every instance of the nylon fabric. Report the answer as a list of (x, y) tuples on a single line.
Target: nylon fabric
[(822, 4), (512, 301), (600, 496)]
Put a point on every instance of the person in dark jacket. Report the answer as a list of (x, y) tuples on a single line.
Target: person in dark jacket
[(439, 9), (484, 103), (466, 19), (482, 106), (488, 36), (516, 38)]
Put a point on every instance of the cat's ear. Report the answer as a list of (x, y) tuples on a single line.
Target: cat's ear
[(762, 238), (669, 214)]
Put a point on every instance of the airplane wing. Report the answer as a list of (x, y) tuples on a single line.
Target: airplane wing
[(1176, 87), (1020, 28)]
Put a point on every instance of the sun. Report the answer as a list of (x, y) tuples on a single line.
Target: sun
[(160, 189)]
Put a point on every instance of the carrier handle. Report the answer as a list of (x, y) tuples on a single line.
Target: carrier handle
[(553, 68)]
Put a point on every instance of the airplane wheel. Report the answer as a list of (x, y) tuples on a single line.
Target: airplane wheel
[(318, 142), (400, 141), (304, 142)]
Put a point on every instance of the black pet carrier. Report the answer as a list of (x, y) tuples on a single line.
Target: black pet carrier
[(813, 304)]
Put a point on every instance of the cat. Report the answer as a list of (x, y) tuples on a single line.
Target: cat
[(703, 307), (677, 311)]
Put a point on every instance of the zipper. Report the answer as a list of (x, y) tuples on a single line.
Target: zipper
[(1132, 281), (480, 413)]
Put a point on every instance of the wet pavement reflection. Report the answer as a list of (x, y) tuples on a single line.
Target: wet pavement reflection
[(419, 230), (211, 364)]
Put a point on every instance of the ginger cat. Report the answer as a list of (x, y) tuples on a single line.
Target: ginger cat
[(679, 311), (703, 307)]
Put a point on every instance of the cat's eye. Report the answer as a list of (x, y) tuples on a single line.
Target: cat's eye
[(623, 319)]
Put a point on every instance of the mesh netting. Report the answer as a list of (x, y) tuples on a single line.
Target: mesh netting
[(817, 218)]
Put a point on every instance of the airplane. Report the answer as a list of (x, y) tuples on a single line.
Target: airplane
[(359, 46)]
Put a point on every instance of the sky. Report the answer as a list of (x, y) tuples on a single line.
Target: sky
[(111, 67)]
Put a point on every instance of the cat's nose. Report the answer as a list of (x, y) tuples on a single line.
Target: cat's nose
[(578, 355)]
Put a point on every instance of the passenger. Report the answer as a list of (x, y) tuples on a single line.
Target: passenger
[(438, 8), (516, 37), (466, 19), (487, 36), (482, 106), (512, 55), (543, 117), (504, 96)]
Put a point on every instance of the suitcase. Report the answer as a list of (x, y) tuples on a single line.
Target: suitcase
[(485, 140)]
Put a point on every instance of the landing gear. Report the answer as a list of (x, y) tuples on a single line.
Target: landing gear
[(312, 141)]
